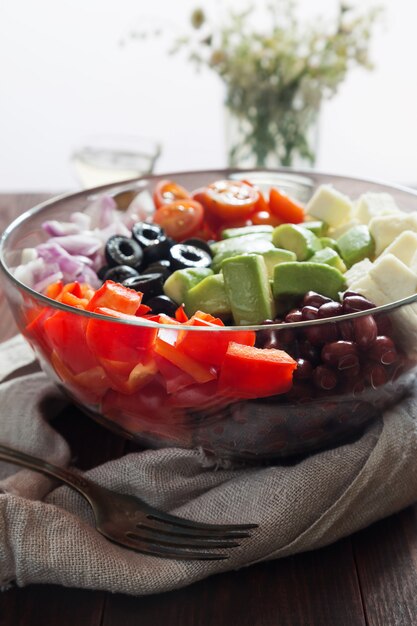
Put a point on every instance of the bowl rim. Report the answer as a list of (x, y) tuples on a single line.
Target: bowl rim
[(141, 182)]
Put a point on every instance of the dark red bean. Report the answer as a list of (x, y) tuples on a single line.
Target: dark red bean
[(322, 333), (384, 325), (340, 354), (314, 299), (383, 350), (301, 390), (352, 372), (330, 309), (309, 312), (294, 316), (348, 293), (304, 370), (375, 374), (346, 330), (286, 336), (354, 385), (309, 352), (324, 378), (365, 331), (351, 304)]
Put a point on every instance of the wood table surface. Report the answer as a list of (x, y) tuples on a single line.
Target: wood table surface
[(369, 578)]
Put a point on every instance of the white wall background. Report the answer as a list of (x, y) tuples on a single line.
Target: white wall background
[(63, 75)]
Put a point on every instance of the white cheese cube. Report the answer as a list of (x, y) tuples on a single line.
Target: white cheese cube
[(371, 205), (393, 277), (368, 288), (404, 247), (385, 228), (358, 271), (330, 206), (335, 233)]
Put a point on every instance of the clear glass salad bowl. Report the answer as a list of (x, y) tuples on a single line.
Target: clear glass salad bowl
[(108, 366)]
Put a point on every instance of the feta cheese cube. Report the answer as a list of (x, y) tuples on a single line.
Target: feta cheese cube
[(371, 205), (358, 271), (330, 206), (393, 278), (385, 228), (404, 247)]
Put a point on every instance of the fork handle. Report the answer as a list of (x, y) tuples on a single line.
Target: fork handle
[(44, 467)]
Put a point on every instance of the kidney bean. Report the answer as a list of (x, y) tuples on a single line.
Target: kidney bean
[(340, 354), (304, 370), (383, 350), (346, 330), (351, 304), (324, 378), (294, 316), (384, 325), (317, 335), (375, 374), (330, 309), (365, 331), (309, 352), (314, 299), (309, 312)]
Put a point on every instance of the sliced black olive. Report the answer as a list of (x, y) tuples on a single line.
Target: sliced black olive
[(120, 250), (162, 266), (163, 304), (120, 273), (183, 256), (198, 243), (151, 237), (150, 285), (102, 272)]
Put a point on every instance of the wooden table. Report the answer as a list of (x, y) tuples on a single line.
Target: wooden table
[(368, 579)]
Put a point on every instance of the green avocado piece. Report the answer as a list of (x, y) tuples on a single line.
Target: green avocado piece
[(230, 233), (317, 227), (242, 245), (300, 240), (209, 295), (295, 279), (329, 256), (180, 282), (356, 244), (248, 289), (328, 242), (275, 256), (234, 243)]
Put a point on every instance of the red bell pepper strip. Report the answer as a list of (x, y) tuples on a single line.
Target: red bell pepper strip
[(288, 210), (114, 296), (127, 342), (65, 333), (208, 346), (54, 289), (180, 314), (251, 372), (200, 372), (88, 386)]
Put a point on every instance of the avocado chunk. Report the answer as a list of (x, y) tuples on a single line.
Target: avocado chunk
[(275, 256), (300, 240), (328, 242), (295, 279), (230, 233), (208, 296), (242, 245), (356, 244), (330, 257), (317, 227), (234, 243), (180, 282), (247, 287)]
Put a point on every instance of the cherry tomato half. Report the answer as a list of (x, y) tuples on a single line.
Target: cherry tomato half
[(229, 200), (286, 209), (265, 217), (166, 191), (180, 219)]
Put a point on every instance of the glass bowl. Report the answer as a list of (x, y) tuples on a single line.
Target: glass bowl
[(109, 367)]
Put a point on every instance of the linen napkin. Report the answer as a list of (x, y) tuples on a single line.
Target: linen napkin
[(299, 507)]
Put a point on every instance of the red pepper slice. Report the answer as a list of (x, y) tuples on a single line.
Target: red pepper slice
[(210, 347), (65, 333), (114, 296), (180, 315), (54, 289), (251, 372), (119, 342), (200, 372)]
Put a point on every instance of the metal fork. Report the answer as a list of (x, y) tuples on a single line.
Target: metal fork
[(131, 523)]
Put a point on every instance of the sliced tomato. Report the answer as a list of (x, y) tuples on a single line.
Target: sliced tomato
[(265, 217), (115, 296), (262, 204), (166, 191), (285, 208), (180, 219), (249, 372), (114, 341), (229, 200)]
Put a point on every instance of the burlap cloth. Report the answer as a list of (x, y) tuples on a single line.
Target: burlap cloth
[(300, 507)]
